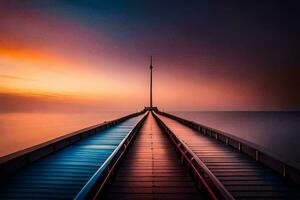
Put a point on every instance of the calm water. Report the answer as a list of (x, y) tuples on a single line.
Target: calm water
[(278, 132), (22, 130)]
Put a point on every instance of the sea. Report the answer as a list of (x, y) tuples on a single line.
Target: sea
[(277, 132), (19, 131)]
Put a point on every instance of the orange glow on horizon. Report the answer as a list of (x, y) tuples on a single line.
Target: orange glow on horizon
[(55, 73), (45, 77)]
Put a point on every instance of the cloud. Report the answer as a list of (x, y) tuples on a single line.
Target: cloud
[(3, 76), (10, 102), (33, 102)]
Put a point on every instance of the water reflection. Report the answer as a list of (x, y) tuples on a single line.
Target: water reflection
[(22, 130)]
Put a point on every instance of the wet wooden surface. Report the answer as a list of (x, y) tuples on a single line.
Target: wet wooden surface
[(151, 170), (243, 177), (61, 175)]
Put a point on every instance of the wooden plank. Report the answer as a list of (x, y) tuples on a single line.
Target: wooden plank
[(64, 173), (151, 170), (241, 175)]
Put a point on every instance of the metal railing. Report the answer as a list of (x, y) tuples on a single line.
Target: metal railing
[(15, 161), (207, 180), (93, 189), (256, 152)]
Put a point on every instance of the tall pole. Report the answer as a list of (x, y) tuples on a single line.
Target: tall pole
[(151, 81)]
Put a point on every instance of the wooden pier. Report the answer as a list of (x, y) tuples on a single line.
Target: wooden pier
[(147, 156), (151, 170), (242, 176), (60, 169)]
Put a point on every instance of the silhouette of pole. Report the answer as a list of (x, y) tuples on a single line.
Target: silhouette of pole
[(151, 81)]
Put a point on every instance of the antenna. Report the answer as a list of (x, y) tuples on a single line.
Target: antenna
[(151, 82)]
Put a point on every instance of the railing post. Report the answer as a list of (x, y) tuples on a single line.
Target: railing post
[(182, 159), (256, 155)]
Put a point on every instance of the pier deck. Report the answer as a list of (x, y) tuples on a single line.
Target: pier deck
[(242, 176), (151, 169), (62, 174), (131, 158)]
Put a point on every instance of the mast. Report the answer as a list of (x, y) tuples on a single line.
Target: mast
[(151, 81)]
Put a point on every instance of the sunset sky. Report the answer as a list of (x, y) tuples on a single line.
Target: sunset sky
[(68, 55)]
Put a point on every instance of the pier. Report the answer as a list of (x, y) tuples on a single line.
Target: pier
[(61, 168), (147, 155), (151, 170)]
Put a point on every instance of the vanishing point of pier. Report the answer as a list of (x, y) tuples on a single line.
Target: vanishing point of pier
[(147, 155)]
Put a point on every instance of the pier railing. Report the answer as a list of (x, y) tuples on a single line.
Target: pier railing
[(94, 188), (256, 152), (207, 181), (20, 159)]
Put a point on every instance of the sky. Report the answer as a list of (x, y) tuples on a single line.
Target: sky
[(88, 55)]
